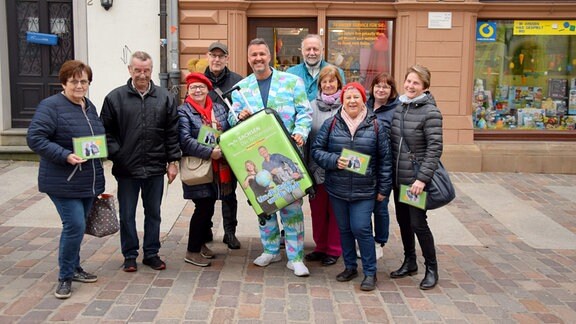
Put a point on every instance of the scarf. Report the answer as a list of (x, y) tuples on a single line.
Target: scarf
[(205, 112), (331, 99), (406, 100), (353, 123)]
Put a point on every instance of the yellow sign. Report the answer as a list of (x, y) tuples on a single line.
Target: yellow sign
[(545, 27)]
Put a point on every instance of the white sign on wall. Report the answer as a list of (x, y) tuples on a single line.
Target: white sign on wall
[(439, 20)]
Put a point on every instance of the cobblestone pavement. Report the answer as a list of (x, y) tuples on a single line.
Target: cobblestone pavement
[(506, 249)]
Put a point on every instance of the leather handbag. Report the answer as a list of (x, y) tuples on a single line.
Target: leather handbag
[(440, 190), (195, 171), (102, 220)]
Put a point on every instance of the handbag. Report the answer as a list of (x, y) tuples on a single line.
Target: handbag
[(440, 190), (195, 171), (102, 220)]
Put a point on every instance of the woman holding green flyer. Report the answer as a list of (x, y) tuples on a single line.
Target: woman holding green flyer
[(353, 189), (70, 179), (200, 119), (416, 136)]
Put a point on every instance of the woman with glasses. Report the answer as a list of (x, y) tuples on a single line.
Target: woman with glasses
[(382, 101), (199, 112), (324, 227), (71, 181)]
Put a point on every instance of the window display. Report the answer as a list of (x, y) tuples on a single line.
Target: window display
[(362, 48), (524, 75)]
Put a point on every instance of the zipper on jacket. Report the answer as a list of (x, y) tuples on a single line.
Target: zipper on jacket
[(79, 165), (405, 112)]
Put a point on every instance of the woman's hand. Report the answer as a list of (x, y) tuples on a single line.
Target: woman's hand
[(216, 153), (417, 187), (74, 159), (380, 197), (342, 162)]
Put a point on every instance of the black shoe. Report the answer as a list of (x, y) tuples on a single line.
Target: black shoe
[(329, 260), (83, 276), (430, 278), (232, 241), (130, 265), (347, 275), (369, 283), (155, 263), (315, 256), (408, 268), (64, 289)]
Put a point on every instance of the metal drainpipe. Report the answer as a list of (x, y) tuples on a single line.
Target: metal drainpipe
[(173, 47), (163, 75)]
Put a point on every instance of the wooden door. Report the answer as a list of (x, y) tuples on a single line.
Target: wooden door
[(34, 67)]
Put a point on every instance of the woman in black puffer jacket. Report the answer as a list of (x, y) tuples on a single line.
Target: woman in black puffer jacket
[(416, 134), (353, 194)]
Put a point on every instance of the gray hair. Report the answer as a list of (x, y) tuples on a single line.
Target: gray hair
[(314, 36)]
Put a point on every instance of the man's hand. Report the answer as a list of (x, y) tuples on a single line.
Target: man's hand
[(172, 172), (244, 114), (380, 197), (298, 139)]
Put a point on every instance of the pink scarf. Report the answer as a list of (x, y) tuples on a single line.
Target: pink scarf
[(353, 123)]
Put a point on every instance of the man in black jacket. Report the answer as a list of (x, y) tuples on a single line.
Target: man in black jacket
[(224, 79), (141, 122)]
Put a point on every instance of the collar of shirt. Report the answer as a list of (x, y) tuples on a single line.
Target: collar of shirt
[(145, 92), (313, 70)]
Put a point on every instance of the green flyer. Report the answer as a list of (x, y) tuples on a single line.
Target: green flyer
[(90, 147), (208, 136), (418, 201), (357, 162)]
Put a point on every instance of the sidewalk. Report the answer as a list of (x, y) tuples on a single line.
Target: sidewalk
[(506, 251)]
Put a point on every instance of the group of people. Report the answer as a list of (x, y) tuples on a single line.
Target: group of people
[(147, 133)]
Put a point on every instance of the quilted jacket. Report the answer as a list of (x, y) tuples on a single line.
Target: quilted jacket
[(344, 184), (423, 134), (56, 122)]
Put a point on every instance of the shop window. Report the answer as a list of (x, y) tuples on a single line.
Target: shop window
[(525, 78), (362, 48)]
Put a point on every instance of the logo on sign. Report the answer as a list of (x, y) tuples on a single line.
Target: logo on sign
[(485, 31)]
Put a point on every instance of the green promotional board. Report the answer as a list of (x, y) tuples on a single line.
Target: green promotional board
[(266, 163)]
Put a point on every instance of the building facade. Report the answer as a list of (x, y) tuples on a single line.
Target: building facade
[(473, 75), (502, 71)]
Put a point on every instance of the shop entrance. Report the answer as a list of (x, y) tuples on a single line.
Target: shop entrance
[(284, 37)]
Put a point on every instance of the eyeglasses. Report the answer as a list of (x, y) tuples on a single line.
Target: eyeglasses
[(198, 87), (382, 86), (220, 57), (75, 82)]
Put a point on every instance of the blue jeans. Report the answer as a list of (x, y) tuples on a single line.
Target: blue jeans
[(355, 224), (128, 190), (381, 221), (73, 213)]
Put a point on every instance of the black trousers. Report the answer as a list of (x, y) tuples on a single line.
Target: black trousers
[(199, 231), (230, 213), (412, 221)]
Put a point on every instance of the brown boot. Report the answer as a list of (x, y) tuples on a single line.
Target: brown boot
[(196, 259)]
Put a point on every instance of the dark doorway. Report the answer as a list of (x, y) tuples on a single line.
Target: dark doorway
[(34, 67), (283, 36)]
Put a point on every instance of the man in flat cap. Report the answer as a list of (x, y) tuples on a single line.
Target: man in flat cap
[(221, 77)]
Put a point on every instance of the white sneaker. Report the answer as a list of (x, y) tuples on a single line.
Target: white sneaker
[(379, 251), (266, 258), (299, 268)]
